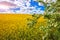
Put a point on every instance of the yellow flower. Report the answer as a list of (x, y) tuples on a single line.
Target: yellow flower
[(41, 22), (41, 19)]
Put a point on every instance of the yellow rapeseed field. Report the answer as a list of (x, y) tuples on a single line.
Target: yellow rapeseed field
[(11, 23)]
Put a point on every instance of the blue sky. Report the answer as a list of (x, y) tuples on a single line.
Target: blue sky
[(34, 4), (33, 7)]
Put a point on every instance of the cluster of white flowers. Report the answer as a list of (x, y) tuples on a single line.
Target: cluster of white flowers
[(50, 1)]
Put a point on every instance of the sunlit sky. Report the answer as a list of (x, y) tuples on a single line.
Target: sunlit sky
[(21, 6)]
